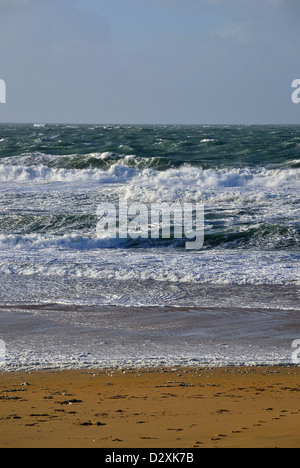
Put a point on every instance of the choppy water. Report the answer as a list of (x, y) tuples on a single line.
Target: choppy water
[(52, 178)]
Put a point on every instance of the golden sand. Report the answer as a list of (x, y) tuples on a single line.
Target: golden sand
[(163, 408)]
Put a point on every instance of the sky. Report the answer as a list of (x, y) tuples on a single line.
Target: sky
[(150, 61)]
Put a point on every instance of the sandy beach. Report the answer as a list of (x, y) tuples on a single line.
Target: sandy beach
[(151, 408)]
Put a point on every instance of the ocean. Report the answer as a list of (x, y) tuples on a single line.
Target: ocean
[(72, 299)]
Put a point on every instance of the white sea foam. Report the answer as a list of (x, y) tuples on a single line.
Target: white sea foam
[(78, 256), (38, 241), (35, 169), (42, 174), (190, 182)]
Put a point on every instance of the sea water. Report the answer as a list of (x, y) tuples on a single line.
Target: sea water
[(70, 298)]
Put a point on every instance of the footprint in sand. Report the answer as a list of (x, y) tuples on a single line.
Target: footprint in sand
[(222, 411), (148, 438), (196, 444), (90, 423), (218, 437)]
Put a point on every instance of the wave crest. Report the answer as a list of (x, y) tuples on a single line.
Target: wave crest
[(149, 179)]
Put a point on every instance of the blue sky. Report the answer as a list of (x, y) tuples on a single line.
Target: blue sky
[(150, 61)]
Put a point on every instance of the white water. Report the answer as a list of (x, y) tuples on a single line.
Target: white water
[(71, 266)]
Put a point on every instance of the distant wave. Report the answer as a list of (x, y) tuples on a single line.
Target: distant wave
[(89, 161), (44, 174)]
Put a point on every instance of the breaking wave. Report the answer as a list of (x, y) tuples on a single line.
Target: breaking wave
[(187, 176)]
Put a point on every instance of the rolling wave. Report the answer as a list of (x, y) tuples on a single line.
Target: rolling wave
[(47, 235), (187, 175)]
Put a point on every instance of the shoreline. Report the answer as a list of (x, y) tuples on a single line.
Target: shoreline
[(135, 367), (178, 407), (69, 336)]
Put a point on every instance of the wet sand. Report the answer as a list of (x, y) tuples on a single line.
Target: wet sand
[(157, 408)]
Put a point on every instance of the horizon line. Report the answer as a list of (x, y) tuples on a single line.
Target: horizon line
[(154, 124)]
